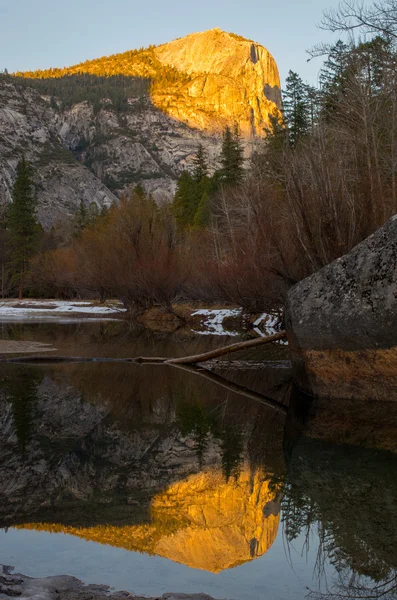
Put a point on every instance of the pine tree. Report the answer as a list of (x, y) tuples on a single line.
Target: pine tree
[(183, 206), (333, 78), (231, 158), (296, 108), (22, 223), (203, 213), (200, 166), (81, 219), (92, 214)]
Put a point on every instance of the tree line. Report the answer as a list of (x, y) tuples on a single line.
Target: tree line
[(321, 181)]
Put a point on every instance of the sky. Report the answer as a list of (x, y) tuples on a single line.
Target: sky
[(55, 33)]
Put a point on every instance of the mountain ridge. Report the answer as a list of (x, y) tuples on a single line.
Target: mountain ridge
[(208, 79)]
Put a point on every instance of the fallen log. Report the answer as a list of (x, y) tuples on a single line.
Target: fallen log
[(185, 360), (198, 358)]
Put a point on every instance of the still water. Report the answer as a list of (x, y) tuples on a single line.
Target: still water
[(155, 479)]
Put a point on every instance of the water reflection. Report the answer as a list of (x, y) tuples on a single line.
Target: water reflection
[(203, 522), (348, 496), (21, 388), (156, 460)]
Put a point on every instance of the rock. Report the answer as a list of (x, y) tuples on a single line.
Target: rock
[(28, 125), (233, 80), (342, 323), (70, 588)]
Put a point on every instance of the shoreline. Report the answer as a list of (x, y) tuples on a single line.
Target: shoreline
[(14, 585), (214, 320)]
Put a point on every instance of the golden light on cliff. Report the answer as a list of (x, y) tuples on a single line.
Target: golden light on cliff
[(203, 522), (207, 80)]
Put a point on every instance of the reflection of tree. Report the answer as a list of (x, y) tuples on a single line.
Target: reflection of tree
[(232, 450), (350, 587), (21, 388), (349, 495), (201, 422), (194, 420)]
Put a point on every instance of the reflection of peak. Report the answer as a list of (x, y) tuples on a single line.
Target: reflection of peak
[(225, 523), (203, 522)]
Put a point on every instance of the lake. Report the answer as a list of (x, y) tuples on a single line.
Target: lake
[(152, 478)]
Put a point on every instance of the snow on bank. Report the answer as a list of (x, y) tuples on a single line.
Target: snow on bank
[(268, 324), (15, 310), (214, 320)]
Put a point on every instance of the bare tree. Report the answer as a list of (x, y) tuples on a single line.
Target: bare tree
[(378, 19)]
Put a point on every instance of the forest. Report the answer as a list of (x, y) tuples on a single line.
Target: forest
[(321, 181)]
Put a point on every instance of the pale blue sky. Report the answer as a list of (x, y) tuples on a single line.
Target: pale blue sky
[(52, 33)]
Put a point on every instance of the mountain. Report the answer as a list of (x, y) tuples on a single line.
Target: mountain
[(93, 130), (207, 80)]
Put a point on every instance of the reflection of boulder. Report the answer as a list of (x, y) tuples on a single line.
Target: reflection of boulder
[(202, 521)]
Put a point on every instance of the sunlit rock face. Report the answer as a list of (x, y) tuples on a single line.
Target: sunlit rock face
[(233, 80), (204, 522), (206, 80)]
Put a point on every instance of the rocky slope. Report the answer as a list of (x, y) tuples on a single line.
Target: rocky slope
[(79, 156), (29, 126)]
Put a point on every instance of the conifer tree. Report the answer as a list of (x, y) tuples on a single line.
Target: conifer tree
[(22, 223), (231, 158), (202, 216), (296, 108), (81, 219), (183, 207), (333, 78), (200, 166)]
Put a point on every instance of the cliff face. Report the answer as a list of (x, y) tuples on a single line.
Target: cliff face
[(206, 80), (232, 80), (29, 126)]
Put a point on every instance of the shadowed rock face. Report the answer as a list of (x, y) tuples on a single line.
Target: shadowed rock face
[(342, 323), (143, 145)]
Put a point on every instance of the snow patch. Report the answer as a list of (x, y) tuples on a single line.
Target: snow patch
[(269, 321), (214, 320), (269, 325), (15, 310)]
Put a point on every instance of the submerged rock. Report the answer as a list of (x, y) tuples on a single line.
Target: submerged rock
[(342, 323)]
